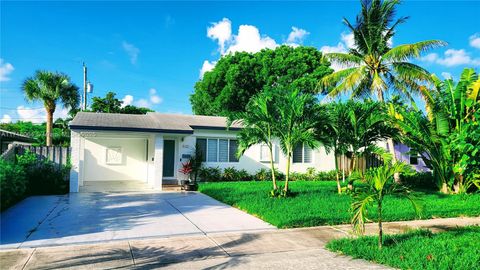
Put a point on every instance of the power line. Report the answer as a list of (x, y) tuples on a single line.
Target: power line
[(23, 109)]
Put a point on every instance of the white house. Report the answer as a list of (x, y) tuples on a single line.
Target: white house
[(150, 148)]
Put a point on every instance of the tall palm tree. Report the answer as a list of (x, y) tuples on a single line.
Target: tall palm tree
[(372, 66), (257, 121), (378, 183), (295, 124), (51, 88)]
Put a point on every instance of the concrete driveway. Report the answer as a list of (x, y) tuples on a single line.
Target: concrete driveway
[(98, 217)]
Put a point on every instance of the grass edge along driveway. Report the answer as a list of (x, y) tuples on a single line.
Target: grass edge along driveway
[(317, 203)]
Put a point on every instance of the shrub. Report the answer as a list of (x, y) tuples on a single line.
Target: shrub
[(326, 176), (43, 177), (420, 180), (232, 174), (13, 183), (266, 175), (210, 174)]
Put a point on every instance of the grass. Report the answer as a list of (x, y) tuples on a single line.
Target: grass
[(317, 203), (421, 249)]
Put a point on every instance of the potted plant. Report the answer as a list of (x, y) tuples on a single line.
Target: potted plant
[(191, 169)]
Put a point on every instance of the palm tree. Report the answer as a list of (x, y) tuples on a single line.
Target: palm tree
[(51, 88), (378, 183), (257, 121), (295, 124), (372, 67)]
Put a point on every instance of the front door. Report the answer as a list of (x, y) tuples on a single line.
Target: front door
[(168, 158)]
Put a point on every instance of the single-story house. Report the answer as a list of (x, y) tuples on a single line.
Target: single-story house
[(151, 148)]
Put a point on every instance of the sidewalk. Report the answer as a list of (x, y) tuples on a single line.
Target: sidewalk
[(280, 249)]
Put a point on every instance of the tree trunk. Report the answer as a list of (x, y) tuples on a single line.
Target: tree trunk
[(49, 127), (354, 163), (444, 188), (287, 175), (391, 149), (272, 167), (339, 188), (380, 229)]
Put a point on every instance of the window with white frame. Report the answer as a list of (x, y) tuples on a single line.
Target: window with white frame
[(302, 153), (218, 150), (265, 153)]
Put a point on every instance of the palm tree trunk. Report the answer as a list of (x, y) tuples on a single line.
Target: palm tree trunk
[(272, 167), (390, 145), (352, 168), (380, 229), (287, 175), (339, 188), (49, 127)]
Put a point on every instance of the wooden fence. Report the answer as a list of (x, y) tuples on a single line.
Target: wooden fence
[(363, 163), (56, 154)]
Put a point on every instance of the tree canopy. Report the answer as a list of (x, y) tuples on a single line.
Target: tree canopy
[(238, 77), (111, 104)]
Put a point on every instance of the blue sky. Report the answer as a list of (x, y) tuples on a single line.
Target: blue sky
[(152, 53)]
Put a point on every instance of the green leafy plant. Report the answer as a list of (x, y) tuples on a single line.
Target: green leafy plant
[(377, 183), (13, 183), (210, 174)]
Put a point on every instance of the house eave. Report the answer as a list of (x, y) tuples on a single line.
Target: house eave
[(132, 129)]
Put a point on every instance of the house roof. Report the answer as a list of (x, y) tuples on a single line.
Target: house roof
[(150, 122), (6, 135)]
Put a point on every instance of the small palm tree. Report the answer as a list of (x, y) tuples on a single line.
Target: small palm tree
[(51, 88), (257, 121), (377, 184), (296, 123), (372, 67)]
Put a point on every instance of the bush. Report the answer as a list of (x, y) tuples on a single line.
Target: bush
[(326, 176), (420, 180), (232, 174), (266, 175), (43, 177), (13, 183), (210, 174)]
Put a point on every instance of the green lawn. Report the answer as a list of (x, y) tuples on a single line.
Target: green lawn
[(454, 249), (317, 203)]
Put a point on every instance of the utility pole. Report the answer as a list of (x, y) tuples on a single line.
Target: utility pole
[(84, 87)]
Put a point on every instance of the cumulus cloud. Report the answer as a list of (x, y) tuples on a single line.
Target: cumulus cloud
[(38, 115), (142, 103), (451, 57), (346, 42), (347, 39), (6, 119), (154, 98), (127, 100), (5, 70), (131, 51), (297, 36), (333, 49), (250, 40), (207, 66), (475, 40), (221, 32), (447, 75)]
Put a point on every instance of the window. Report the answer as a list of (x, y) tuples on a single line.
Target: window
[(302, 154), (264, 153), (413, 158), (218, 150)]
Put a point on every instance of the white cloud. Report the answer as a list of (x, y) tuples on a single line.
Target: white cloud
[(39, 115), (127, 100), (207, 66), (475, 40), (154, 98), (297, 35), (333, 49), (447, 75), (132, 51), (347, 39), (6, 119), (451, 58), (5, 70), (222, 32), (250, 40), (142, 103)]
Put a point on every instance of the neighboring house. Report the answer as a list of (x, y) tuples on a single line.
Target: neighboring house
[(402, 152), (151, 148), (8, 138)]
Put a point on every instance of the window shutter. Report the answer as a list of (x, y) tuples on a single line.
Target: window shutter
[(223, 150), (298, 154), (212, 150), (307, 154)]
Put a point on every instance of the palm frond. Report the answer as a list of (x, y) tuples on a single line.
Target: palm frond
[(414, 50)]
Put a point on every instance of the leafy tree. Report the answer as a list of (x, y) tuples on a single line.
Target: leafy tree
[(111, 104), (377, 184), (51, 88), (60, 134), (258, 122), (238, 77), (295, 124), (372, 67)]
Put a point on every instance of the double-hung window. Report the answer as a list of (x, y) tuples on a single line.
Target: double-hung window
[(218, 150), (302, 153)]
